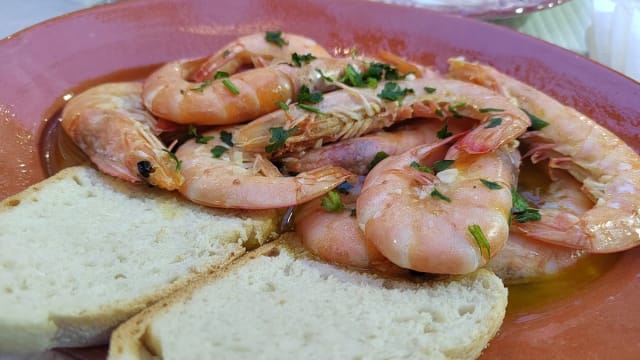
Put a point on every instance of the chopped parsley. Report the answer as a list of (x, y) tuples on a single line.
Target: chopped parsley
[(305, 96), (323, 76), (536, 122), (282, 105), (487, 110), (278, 137), (332, 202), (221, 75), (393, 92), (226, 53), (444, 133), (202, 86), (299, 60), (275, 37), (438, 195), (218, 150), (480, 239), (453, 109), (442, 165), (421, 168), (353, 77), (380, 155), (310, 109), (439, 112), (429, 90), (520, 209), (229, 85), (490, 184), (174, 158), (226, 137), (375, 72), (493, 123), (193, 133)]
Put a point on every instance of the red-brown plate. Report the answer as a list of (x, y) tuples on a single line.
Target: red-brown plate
[(41, 64)]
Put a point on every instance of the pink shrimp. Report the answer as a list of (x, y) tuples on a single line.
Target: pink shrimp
[(259, 49), (110, 124), (243, 96), (357, 154), (524, 258), (608, 169), (330, 230), (450, 223), (218, 174), (352, 112)]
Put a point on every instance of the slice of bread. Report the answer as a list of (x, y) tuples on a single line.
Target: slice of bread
[(81, 252), (277, 302)]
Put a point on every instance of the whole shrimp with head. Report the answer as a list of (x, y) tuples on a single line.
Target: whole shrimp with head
[(525, 259), (451, 222), (110, 124), (258, 49), (608, 169), (231, 99), (218, 174), (355, 111)]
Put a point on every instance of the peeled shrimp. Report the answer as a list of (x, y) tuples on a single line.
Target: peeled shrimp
[(524, 258), (246, 181), (110, 124), (335, 236), (243, 96), (450, 223), (353, 112), (357, 154), (256, 50), (608, 169)]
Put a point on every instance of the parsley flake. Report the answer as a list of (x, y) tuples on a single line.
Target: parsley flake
[(380, 155), (299, 60), (218, 150), (490, 184), (438, 195), (442, 165), (527, 215), (193, 133), (282, 105), (174, 158), (310, 109), (429, 90), (493, 123), (444, 133), (421, 168), (393, 92), (332, 202), (487, 110), (229, 85), (520, 209), (221, 75), (536, 122), (278, 138), (275, 37), (480, 239), (202, 86), (226, 137), (305, 96), (453, 109), (323, 76)]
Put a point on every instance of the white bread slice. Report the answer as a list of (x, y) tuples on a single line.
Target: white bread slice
[(82, 251), (279, 303)]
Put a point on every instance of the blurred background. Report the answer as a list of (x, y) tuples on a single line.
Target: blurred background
[(607, 31)]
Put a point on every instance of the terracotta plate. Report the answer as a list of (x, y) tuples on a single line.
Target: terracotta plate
[(40, 65)]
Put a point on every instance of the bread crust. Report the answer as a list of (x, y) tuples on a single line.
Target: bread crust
[(93, 325), (135, 339)]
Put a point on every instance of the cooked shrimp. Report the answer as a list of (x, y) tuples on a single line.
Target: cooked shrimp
[(243, 96), (450, 223), (524, 258), (220, 175), (357, 154), (259, 49), (110, 124), (331, 231), (608, 169), (352, 112)]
